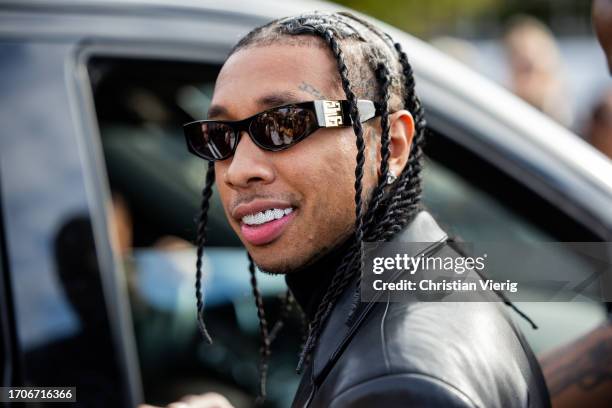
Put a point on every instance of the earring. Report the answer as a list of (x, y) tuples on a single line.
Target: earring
[(391, 177)]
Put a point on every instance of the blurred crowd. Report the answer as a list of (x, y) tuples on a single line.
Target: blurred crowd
[(537, 71)]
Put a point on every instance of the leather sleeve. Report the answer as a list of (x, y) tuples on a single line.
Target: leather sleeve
[(402, 390)]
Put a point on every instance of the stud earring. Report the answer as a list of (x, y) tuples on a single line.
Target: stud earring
[(391, 177)]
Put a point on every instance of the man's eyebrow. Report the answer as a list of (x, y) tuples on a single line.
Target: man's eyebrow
[(266, 101), (279, 98), (216, 110)]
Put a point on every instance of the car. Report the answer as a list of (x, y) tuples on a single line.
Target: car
[(99, 198)]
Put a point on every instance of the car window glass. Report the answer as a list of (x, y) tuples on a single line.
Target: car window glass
[(156, 188), (59, 306), (476, 202)]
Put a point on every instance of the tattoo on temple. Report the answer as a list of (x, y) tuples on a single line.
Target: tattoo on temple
[(306, 87)]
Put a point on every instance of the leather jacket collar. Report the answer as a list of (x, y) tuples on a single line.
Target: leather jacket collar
[(422, 230), (427, 354)]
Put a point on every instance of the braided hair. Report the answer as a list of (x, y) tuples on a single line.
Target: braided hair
[(387, 79)]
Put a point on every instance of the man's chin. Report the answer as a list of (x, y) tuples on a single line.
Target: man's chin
[(274, 261), (276, 268), (288, 264), (275, 264)]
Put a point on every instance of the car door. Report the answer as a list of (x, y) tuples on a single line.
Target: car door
[(64, 326)]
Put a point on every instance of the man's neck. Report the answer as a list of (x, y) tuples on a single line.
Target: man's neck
[(309, 284)]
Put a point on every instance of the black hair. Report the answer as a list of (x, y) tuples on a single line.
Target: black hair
[(387, 78), (200, 242)]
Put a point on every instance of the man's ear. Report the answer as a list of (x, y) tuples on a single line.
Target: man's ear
[(401, 133)]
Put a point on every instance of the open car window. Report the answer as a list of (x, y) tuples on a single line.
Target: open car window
[(156, 185)]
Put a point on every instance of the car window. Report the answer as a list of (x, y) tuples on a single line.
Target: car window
[(55, 284), (477, 202), (156, 188)]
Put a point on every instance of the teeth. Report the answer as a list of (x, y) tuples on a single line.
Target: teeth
[(266, 216)]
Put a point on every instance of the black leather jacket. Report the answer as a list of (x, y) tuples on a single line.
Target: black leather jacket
[(422, 354)]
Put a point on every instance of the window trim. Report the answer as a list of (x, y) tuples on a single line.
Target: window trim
[(531, 206), (508, 163), (12, 370), (112, 273)]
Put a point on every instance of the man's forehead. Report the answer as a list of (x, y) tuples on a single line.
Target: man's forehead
[(258, 78), (279, 62)]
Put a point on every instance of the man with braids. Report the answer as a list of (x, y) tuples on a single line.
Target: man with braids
[(314, 141)]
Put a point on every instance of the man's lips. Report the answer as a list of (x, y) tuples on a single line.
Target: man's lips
[(267, 232), (257, 205), (260, 227)]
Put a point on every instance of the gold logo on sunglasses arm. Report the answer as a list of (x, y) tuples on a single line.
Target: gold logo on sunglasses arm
[(333, 113)]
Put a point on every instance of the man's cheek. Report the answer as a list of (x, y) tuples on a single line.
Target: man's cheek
[(235, 225)]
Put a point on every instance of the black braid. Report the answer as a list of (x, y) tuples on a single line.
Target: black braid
[(201, 241), (264, 350), (286, 307), (387, 216), (383, 221), (340, 280), (382, 75), (408, 194)]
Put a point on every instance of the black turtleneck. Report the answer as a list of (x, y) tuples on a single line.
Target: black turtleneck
[(308, 285)]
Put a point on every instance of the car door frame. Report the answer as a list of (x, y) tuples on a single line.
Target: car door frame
[(112, 271)]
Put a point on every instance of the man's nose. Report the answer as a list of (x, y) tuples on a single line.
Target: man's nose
[(249, 165)]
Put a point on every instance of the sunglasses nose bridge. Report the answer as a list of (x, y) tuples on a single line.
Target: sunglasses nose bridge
[(247, 127), (250, 163), (249, 131), (244, 129)]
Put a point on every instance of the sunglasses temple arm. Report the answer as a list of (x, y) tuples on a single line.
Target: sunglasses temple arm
[(367, 110), (335, 113)]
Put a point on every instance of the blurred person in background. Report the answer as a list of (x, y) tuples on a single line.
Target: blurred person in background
[(602, 19), (536, 69), (599, 127), (78, 275), (461, 50), (580, 373)]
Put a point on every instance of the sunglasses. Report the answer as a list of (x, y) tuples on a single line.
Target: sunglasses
[(274, 129)]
